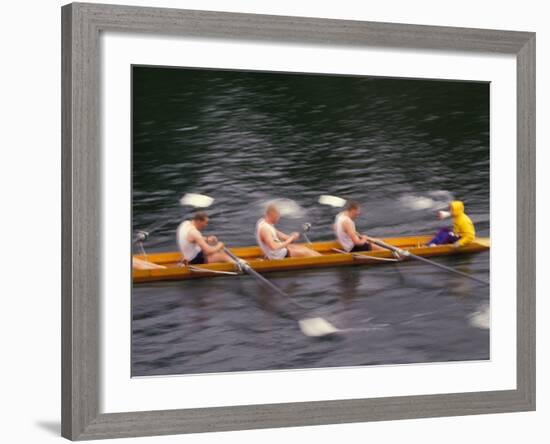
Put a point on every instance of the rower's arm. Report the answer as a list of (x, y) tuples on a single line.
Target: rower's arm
[(267, 239), (196, 237), (282, 235), (348, 229)]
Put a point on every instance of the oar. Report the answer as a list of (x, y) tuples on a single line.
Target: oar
[(338, 202), (309, 326), (364, 256), (407, 253)]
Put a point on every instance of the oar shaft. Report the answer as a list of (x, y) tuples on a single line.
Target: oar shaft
[(310, 326), (246, 267), (449, 269), (427, 261), (144, 234)]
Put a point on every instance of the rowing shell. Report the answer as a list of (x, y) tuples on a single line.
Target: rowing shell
[(171, 268)]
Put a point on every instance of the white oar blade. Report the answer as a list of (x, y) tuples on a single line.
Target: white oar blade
[(316, 327), (333, 201), (196, 200)]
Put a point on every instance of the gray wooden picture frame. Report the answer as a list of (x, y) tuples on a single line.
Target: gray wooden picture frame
[(81, 172)]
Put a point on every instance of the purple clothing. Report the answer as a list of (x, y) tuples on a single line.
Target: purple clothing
[(444, 236)]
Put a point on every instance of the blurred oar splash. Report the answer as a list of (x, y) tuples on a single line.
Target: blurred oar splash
[(287, 207)]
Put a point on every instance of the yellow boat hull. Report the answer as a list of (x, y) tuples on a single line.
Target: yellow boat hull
[(329, 258)]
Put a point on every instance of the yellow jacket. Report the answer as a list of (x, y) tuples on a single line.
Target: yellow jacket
[(462, 224)]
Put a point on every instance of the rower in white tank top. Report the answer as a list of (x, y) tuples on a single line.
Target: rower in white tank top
[(280, 253), (189, 250), (345, 241)]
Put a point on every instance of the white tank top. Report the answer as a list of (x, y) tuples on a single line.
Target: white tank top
[(189, 250), (269, 253), (344, 240)]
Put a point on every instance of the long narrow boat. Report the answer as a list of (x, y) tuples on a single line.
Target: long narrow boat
[(172, 269)]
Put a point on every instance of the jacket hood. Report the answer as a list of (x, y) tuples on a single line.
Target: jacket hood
[(457, 207)]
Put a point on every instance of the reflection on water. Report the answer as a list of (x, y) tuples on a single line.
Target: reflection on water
[(403, 148)]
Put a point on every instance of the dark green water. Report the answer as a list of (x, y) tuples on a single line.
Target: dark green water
[(403, 148)]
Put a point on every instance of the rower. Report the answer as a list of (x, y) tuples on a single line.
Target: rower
[(463, 231), (347, 235), (274, 243), (194, 247)]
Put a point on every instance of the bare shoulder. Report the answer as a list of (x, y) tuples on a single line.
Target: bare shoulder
[(262, 230), (194, 234), (346, 223)]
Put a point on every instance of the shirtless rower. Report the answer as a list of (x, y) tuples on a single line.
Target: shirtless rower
[(347, 235), (274, 243), (194, 247)]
